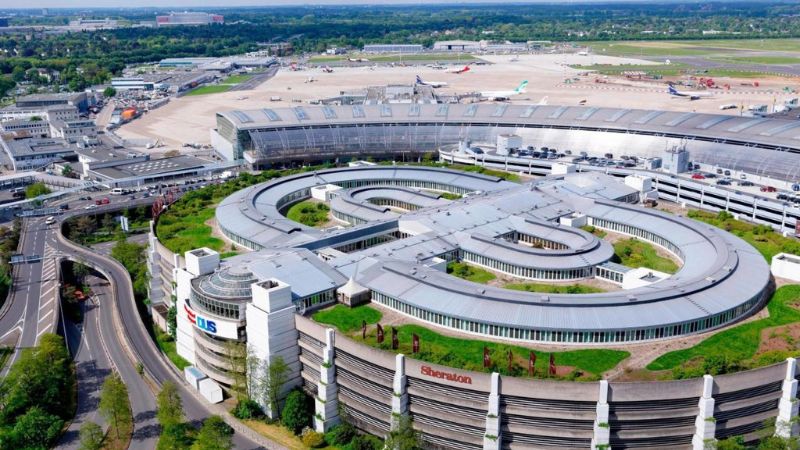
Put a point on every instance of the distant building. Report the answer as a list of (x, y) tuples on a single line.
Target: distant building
[(457, 46), (3, 22), (76, 99), (33, 128), (92, 24), (47, 113), (189, 18), (34, 153), (336, 51), (393, 48), (73, 130), (92, 158), (278, 48), (675, 160), (132, 83)]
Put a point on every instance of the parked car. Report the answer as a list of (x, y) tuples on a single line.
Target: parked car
[(768, 189), (698, 176)]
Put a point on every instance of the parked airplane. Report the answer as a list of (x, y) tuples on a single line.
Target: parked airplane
[(358, 59), (433, 84), (691, 95), (461, 70), (504, 95), (327, 69)]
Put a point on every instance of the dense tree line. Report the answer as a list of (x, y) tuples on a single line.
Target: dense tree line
[(36, 396), (85, 59)]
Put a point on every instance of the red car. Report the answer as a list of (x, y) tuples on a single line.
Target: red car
[(98, 202), (768, 189), (105, 201), (698, 176)]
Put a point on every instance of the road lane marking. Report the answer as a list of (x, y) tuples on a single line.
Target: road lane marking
[(45, 316)]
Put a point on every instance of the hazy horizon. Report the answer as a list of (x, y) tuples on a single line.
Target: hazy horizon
[(132, 4)]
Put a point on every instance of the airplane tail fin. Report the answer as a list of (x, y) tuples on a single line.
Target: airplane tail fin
[(419, 80), (672, 90), (521, 87), (465, 69)]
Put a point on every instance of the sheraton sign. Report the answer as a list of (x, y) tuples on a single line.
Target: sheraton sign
[(449, 376)]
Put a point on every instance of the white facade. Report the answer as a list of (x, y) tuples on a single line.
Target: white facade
[(563, 168), (785, 265), (641, 277), (324, 192), (271, 331), (508, 143), (639, 182)]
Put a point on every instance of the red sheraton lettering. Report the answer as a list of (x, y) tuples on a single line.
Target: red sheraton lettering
[(449, 376)]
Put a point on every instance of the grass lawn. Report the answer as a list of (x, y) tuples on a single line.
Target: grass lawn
[(347, 319), (652, 69), (309, 213), (450, 196), (278, 433), (168, 346), (236, 79), (5, 353), (470, 272), (576, 288), (762, 237), (761, 59), (467, 354), (484, 171), (210, 89), (691, 47), (635, 253), (186, 232), (736, 347)]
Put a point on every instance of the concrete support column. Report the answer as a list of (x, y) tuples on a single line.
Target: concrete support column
[(786, 423), (602, 431), (399, 393), (326, 403), (705, 424), (492, 438)]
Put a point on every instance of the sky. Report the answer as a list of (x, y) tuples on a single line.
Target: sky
[(166, 4)]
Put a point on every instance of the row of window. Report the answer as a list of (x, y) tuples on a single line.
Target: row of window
[(526, 272), (219, 308), (517, 237), (637, 232), (568, 336), (607, 274)]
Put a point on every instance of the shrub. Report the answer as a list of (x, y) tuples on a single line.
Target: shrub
[(313, 439), (247, 409), (341, 434), (366, 442), (295, 414)]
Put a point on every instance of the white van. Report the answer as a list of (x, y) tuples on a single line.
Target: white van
[(118, 191), (50, 220)]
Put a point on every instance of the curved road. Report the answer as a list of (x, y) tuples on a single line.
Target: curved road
[(121, 327)]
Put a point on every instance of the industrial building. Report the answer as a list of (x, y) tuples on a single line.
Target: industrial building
[(393, 48), (77, 99), (189, 18)]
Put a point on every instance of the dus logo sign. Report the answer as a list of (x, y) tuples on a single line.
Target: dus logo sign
[(203, 324)]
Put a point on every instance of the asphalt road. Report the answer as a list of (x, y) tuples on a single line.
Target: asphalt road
[(256, 80), (98, 353), (23, 320), (131, 332)]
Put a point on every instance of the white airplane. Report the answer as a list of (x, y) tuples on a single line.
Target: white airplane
[(433, 84), (461, 70), (504, 95), (691, 95)]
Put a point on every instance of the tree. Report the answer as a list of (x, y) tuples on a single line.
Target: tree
[(109, 92), (215, 434), (277, 373), (170, 406), (404, 437), (36, 189), (295, 414), (114, 402), (172, 320), (67, 170), (91, 436), (175, 437), (36, 429), (83, 227), (80, 271), (236, 354)]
